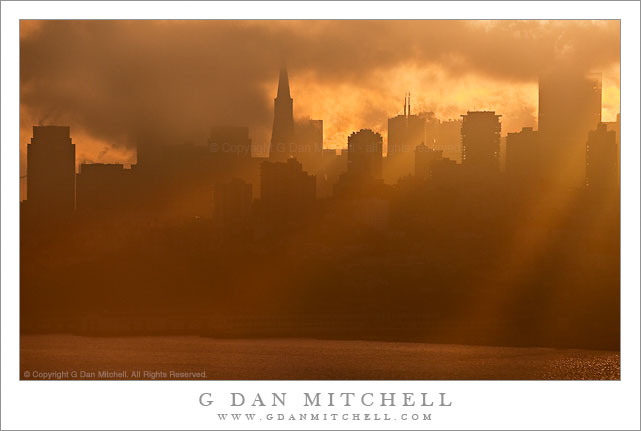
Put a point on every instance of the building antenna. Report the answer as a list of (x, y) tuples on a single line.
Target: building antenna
[(405, 105), (409, 106)]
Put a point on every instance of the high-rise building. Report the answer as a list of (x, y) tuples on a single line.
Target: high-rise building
[(333, 164), (365, 154), (431, 128), (615, 126), (51, 173), (481, 134), (448, 139), (445, 173), (524, 157), (364, 166), (569, 108), (283, 127), (285, 188), (601, 158), (308, 136), (230, 141), (424, 158), (404, 133)]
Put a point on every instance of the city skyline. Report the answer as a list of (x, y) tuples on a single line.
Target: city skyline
[(364, 97), (571, 110), (463, 232)]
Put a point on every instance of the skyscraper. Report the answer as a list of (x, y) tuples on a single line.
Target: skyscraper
[(616, 127), (448, 139), (424, 157), (404, 133), (524, 157), (308, 135), (364, 165), (431, 128), (569, 108), (365, 154), (481, 134), (51, 173), (285, 189), (601, 158), (283, 127)]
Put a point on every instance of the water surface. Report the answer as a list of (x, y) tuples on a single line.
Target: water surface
[(306, 359)]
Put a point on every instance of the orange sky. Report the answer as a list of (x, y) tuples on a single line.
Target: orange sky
[(118, 82)]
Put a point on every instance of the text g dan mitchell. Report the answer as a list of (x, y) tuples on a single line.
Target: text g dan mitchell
[(328, 399)]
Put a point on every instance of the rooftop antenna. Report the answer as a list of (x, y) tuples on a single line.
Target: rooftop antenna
[(405, 106), (409, 106)]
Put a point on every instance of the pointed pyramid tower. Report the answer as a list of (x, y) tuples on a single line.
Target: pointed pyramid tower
[(283, 127)]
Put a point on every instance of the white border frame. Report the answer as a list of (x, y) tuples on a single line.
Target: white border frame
[(174, 405)]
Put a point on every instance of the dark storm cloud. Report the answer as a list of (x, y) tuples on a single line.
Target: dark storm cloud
[(123, 81)]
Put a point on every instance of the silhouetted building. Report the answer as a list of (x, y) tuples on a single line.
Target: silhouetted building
[(333, 164), (448, 139), (601, 158), (103, 188), (404, 133), (51, 173), (178, 180), (569, 108), (481, 134), (365, 154), (308, 136), (364, 165), (524, 157), (285, 189), (283, 127), (431, 128), (232, 205), (445, 173), (615, 126), (230, 141), (424, 157)]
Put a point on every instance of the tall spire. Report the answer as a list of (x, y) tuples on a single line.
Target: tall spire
[(283, 83), (283, 127)]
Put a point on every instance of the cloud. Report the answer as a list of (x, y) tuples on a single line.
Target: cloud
[(117, 83)]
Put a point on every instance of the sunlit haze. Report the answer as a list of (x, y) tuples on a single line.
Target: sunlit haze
[(113, 81)]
